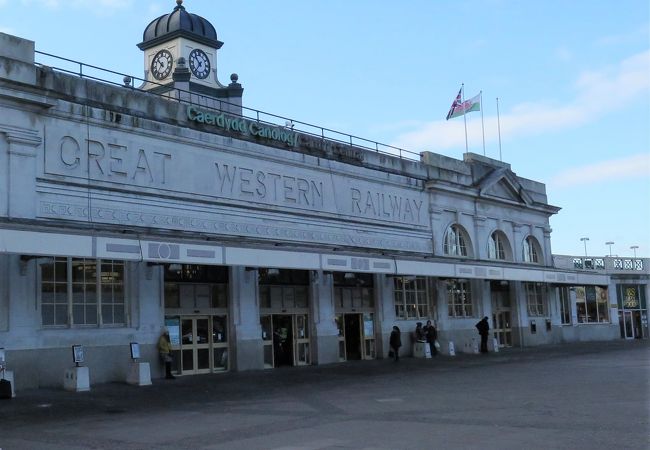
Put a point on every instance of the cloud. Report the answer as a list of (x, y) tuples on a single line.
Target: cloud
[(612, 170), (596, 93)]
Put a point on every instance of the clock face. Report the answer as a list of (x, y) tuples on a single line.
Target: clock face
[(161, 65), (199, 64)]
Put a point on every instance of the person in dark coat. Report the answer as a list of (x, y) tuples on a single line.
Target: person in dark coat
[(419, 332), (483, 328), (395, 342), (431, 334)]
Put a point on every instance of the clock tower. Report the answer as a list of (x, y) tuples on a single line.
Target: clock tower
[(180, 54)]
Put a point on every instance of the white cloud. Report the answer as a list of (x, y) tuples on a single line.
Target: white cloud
[(597, 93), (612, 170)]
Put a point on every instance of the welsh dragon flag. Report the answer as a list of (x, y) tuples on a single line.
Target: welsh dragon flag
[(459, 107)]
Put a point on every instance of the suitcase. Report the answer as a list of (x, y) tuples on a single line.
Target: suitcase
[(5, 388)]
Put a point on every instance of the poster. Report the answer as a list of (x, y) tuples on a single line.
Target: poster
[(174, 327)]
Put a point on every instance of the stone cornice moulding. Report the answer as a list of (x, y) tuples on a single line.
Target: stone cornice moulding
[(20, 135)]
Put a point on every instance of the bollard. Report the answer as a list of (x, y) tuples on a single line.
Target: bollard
[(452, 351), (495, 344)]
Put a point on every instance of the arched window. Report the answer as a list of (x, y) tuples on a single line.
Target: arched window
[(498, 247), (455, 241), (532, 251)]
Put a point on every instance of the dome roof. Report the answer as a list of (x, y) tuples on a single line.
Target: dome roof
[(179, 23)]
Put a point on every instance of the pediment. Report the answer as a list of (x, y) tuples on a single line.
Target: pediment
[(503, 184)]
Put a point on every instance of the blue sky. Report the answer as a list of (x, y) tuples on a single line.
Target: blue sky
[(572, 78)]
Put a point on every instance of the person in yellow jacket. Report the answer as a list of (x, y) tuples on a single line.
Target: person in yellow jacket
[(165, 350)]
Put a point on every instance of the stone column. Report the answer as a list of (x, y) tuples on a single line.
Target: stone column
[(325, 332), (246, 331), (385, 305)]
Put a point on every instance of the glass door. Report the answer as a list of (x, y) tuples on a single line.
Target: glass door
[(341, 338), (195, 345), (301, 339), (368, 330), (266, 322), (501, 318), (628, 325), (219, 343)]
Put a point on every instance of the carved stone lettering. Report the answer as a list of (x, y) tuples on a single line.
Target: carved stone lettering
[(385, 206), (242, 182), (110, 161)]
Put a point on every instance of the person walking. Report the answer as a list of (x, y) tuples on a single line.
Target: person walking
[(395, 342), (483, 328), (165, 351), (432, 335)]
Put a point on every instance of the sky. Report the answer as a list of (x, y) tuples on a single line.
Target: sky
[(572, 80)]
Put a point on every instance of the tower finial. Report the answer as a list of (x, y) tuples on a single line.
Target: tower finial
[(179, 4)]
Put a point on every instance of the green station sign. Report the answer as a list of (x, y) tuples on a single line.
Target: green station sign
[(242, 126)]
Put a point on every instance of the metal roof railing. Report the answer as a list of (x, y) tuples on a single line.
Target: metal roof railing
[(100, 74)]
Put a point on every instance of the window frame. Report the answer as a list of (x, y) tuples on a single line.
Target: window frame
[(564, 296), (71, 287), (403, 297), (456, 239), (531, 250), (583, 305), (498, 243), (460, 298), (535, 299)]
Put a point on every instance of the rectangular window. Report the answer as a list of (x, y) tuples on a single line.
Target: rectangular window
[(82, 292), (565, 305), (411, 296), (459, 298), (592, 304), (535, 299)]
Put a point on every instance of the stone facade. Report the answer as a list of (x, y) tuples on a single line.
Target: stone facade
[(97, 172)]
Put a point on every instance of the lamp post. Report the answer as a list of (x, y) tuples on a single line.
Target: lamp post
[(633, 248), (610, 243), (585, 239)]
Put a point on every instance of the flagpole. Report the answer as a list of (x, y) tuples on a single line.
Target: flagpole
[(499, 128), (462, 102), (482, 122)]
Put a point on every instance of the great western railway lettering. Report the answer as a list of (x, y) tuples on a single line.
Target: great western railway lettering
[(385, 206), (112, 161), (264, 186)]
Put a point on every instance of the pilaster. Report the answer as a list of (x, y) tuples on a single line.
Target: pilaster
[(325, 331), (245, 319), (20, 186)]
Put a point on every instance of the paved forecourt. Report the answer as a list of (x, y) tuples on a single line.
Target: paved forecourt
[(593, 395)]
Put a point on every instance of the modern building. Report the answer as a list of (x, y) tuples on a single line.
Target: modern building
[(257, 241)]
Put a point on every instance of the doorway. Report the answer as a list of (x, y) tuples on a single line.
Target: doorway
[(356, 336), (200, 343), (286, 340), (195, 345), (631, 324), (501, 314), (282, 340), (352, 333)]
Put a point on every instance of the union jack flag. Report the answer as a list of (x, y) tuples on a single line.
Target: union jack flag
[(458, 102)]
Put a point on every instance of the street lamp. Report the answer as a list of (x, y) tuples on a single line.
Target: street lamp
[(633, 248), (585, 239), (610, 243)]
